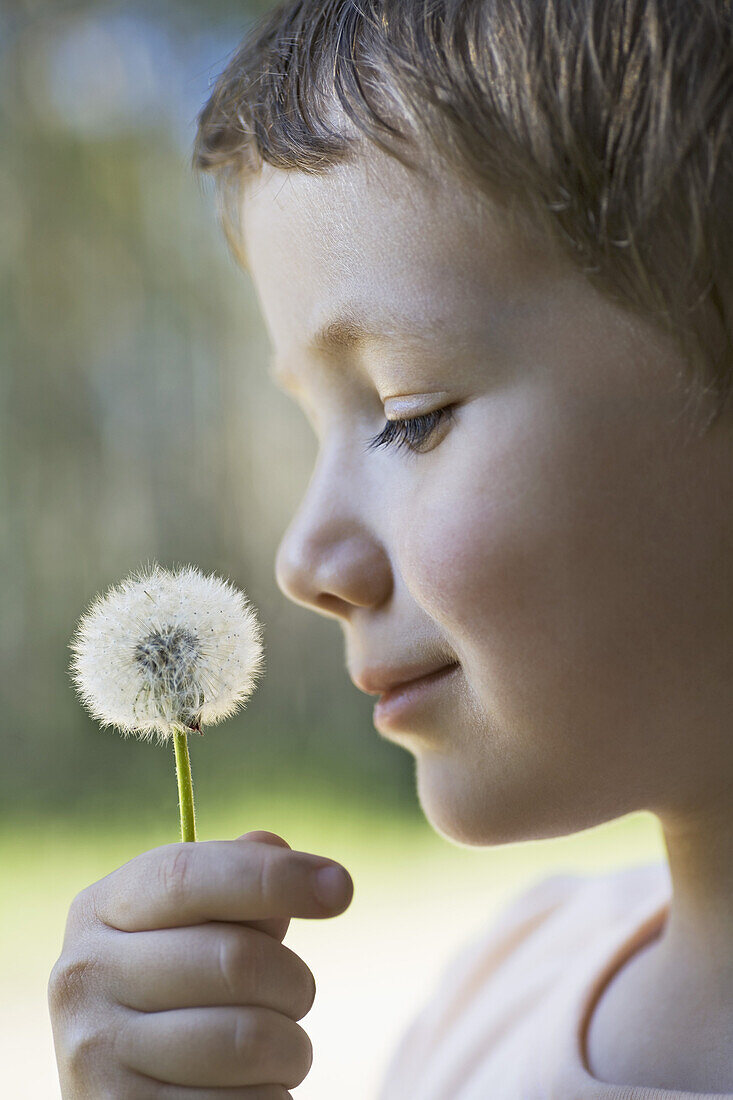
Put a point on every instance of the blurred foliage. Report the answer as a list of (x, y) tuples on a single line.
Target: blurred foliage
[(136, 419)]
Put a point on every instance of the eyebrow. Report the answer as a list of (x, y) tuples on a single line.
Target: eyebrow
[(344, 332)]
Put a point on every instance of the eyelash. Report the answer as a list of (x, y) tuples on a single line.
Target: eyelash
[(410, 433)]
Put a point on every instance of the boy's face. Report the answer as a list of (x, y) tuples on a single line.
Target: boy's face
[(564, 536)]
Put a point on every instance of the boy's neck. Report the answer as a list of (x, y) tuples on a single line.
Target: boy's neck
[(677, 991)]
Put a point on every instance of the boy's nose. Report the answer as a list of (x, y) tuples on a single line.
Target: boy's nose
[(332, 566)]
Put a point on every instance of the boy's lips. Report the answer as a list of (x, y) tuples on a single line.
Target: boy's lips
[(378, 680)]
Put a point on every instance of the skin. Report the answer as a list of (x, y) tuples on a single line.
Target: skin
[(173, 982), (566, 536)]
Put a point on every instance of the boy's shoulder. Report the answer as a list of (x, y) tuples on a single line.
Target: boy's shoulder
[(615, 887), (518, 955), (565, 905)]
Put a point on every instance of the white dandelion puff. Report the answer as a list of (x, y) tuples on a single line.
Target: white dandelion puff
[(166, 652)]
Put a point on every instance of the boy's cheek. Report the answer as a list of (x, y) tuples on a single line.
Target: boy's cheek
[(474, 531), (508, 558), (468, 552)]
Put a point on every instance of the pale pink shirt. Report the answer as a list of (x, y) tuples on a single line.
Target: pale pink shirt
[(508, 1016)]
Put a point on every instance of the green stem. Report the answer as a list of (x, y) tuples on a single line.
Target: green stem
[(185, 787)]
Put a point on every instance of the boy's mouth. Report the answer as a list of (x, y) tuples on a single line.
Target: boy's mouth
[(406, 704), (378, 680)]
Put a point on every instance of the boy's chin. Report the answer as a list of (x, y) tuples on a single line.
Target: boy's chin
[(459, 810), (466, 810)]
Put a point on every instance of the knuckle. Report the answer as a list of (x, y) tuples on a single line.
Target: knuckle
[(302, 1057), (235, 958), (250, 1038), (261, 1042), (266, 837), (176, 873), (265, 878), (305, 989), (85, 1049), (83, 909), (70, 983)]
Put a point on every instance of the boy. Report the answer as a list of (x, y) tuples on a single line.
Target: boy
[(504, 226)]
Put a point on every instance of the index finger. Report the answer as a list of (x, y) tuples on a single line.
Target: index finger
[(276, 927), (224, 880)]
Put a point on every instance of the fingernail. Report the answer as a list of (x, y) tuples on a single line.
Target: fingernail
[(330, 886)]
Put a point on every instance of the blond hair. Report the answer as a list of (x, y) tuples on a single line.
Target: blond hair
[(605, 124)]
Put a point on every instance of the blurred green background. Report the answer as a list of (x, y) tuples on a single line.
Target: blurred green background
[(136, 420), (136, 423)]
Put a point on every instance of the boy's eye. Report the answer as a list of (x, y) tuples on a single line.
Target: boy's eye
[(411, 433)]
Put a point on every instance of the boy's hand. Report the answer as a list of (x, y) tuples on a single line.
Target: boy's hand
[(172, 983)]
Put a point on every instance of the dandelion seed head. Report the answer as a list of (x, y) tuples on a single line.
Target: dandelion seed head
[(165, 651)]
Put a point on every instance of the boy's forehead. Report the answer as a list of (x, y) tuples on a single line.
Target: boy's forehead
[(376, 211), (354, 256)]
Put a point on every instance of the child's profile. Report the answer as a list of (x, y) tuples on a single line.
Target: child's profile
[(492, 241)]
